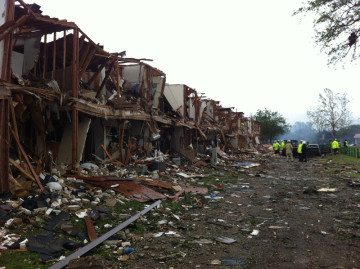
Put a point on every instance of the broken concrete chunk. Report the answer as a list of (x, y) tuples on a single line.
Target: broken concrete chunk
[(327, 190), (89, 166), (225, 240), (54, 186), (73, 207), (13, 222), (81, 214), (215, 262)]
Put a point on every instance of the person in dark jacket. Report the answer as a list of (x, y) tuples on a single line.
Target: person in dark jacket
[(304, 151)]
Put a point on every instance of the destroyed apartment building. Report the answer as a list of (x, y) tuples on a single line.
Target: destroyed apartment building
[(66, 100)]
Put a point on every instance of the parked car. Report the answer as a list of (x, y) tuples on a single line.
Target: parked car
[(313, 150)]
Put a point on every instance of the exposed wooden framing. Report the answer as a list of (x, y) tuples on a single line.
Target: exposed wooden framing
[(18, 23), (107, 74), (87, 62), (121, 140), (16, 137), (98, 49), (26, 7), (63, 79), (54, 58), (4, 145), (81, 42), (98, 71), (90, 52), (149, 82), (5, 101), (117, 77), (75, 89), (84, 54), (44, 57), (14, 124)]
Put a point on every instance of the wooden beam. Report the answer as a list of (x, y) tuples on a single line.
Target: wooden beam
[(22, 170), (10, 29), (75, 93), (84, 54), (107, 74), (98, 71), (4, 145), (63, 79), (44, 57), (27, 160), (86, 61), (121, 140), (54, 58)]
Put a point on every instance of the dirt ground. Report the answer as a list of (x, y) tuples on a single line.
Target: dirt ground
[(298, 227)]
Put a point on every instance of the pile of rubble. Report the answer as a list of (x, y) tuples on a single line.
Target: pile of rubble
[(73, 210), (84, 131)]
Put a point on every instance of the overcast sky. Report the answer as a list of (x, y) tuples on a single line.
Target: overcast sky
[(247, 54)]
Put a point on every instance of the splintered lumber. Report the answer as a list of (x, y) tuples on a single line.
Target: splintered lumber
[(90, 229), (22, 170), (27, 160)]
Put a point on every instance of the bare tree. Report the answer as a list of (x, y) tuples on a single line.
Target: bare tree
[(332, 112)]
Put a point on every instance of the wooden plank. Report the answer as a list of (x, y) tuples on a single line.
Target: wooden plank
[(22, 170), (27, 160)]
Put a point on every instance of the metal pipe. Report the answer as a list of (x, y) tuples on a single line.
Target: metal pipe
[(102, 238)]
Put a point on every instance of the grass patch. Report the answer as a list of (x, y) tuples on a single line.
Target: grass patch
[(23, 260), (341, 159), (125, 207)]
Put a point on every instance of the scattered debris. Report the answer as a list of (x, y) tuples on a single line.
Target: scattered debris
[(246, 165), (225, 240), (233, 261), (102, 238), (327, 190)]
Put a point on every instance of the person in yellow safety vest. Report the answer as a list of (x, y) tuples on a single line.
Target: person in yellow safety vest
[(299, 151), (289, 151), (276, 147), (282, 148), (346, 146), (335, 146)]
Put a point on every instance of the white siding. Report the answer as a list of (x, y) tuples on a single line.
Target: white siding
[(175, 96), (2, 21)]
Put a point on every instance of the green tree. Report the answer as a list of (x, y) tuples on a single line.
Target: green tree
[(272, 124), (336, 25), (331, 113)]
